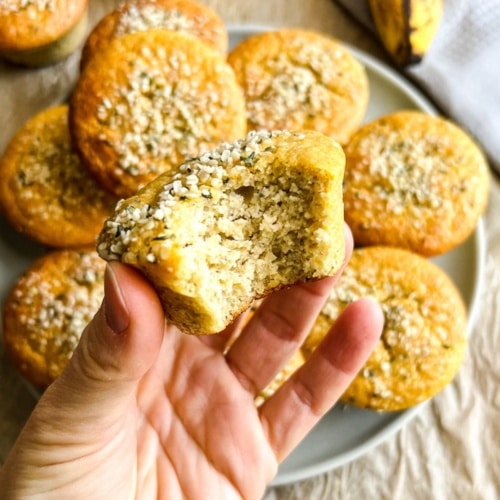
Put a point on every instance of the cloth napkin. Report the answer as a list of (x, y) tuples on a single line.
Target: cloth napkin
[(461, 70)]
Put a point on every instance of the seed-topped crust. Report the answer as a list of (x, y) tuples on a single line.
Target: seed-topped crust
[(301, 80), (147, 102), (48, 309), (231, 225), (45, 192), (424, 337), (26, 25), (186, 16), (414, 181)]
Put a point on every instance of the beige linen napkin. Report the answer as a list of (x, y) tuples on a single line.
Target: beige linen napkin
[(461, 70)]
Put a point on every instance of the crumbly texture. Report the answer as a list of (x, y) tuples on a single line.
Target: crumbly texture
[(186, 16), (47, 310), (414, 181), (301, 80), (233, 224), (45, 192), (424, 337), (32, 24), (149, 101)]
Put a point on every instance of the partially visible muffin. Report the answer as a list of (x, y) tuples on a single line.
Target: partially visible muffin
[(295, 362), (187, 16), (424, 337), (147, 102), (48, 309), (301, 80), (414, 181), (45, 192), (41, 32), (233, 224)]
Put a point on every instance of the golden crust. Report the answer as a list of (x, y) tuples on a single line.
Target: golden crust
[(47, 310), (424, 338), (301, 80), (186, 16), (234, 224), (147, 102), (45, 192), (32, 27), (414, 181)]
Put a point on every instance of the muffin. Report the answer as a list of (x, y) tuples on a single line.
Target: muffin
[(414, 181), (186, 16), (233, 224), (295, 362), (45, 192), (301, 80), (41, 32), (47, 310), (149, 101), (424, 337)]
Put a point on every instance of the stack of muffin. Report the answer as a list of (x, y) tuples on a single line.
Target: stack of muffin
[(156, 88)]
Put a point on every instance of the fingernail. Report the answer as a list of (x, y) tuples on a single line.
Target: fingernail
[(115, 307)]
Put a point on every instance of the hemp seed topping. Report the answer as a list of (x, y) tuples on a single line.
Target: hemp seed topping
[(145, 17)]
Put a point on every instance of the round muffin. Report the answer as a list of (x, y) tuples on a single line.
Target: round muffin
[(45, 192), (414, 181), (147, 102), (233, 224), (424, 337), (47, 310), (41, 32), (301, 80), (295, 362), (186, 16)]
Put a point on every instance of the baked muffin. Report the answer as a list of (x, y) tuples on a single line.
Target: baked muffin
[(45, 192), (233, 224), (414, 181), (424, 337), (41, 32), (300, 80), (295, 362), (147, 102), (186, 16), (47, 310)]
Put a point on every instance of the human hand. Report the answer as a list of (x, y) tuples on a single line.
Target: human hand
[(144, 411)]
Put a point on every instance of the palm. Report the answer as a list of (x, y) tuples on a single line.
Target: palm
[(195, 417), (149, 412)]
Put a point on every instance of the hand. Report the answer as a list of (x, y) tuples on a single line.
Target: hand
[(144, 411)]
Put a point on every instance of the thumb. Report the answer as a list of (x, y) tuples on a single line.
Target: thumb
[(116, 349)]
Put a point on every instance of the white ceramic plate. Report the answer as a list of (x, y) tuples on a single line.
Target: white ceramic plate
[(344, 433)]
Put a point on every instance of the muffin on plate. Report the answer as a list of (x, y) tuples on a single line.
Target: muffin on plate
[(424, 337), (47, 310), (41, 32), (148, 101), (414, 181), (233, 224), (186, 16), (45, 192), (301, 80)]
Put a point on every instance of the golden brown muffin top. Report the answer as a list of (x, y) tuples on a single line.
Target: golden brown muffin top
[(47, 310), (234, 223), (45, 191), (424, 336), (29, 24), (186, 16), (149, 101), (414, 181), (301, 80)]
